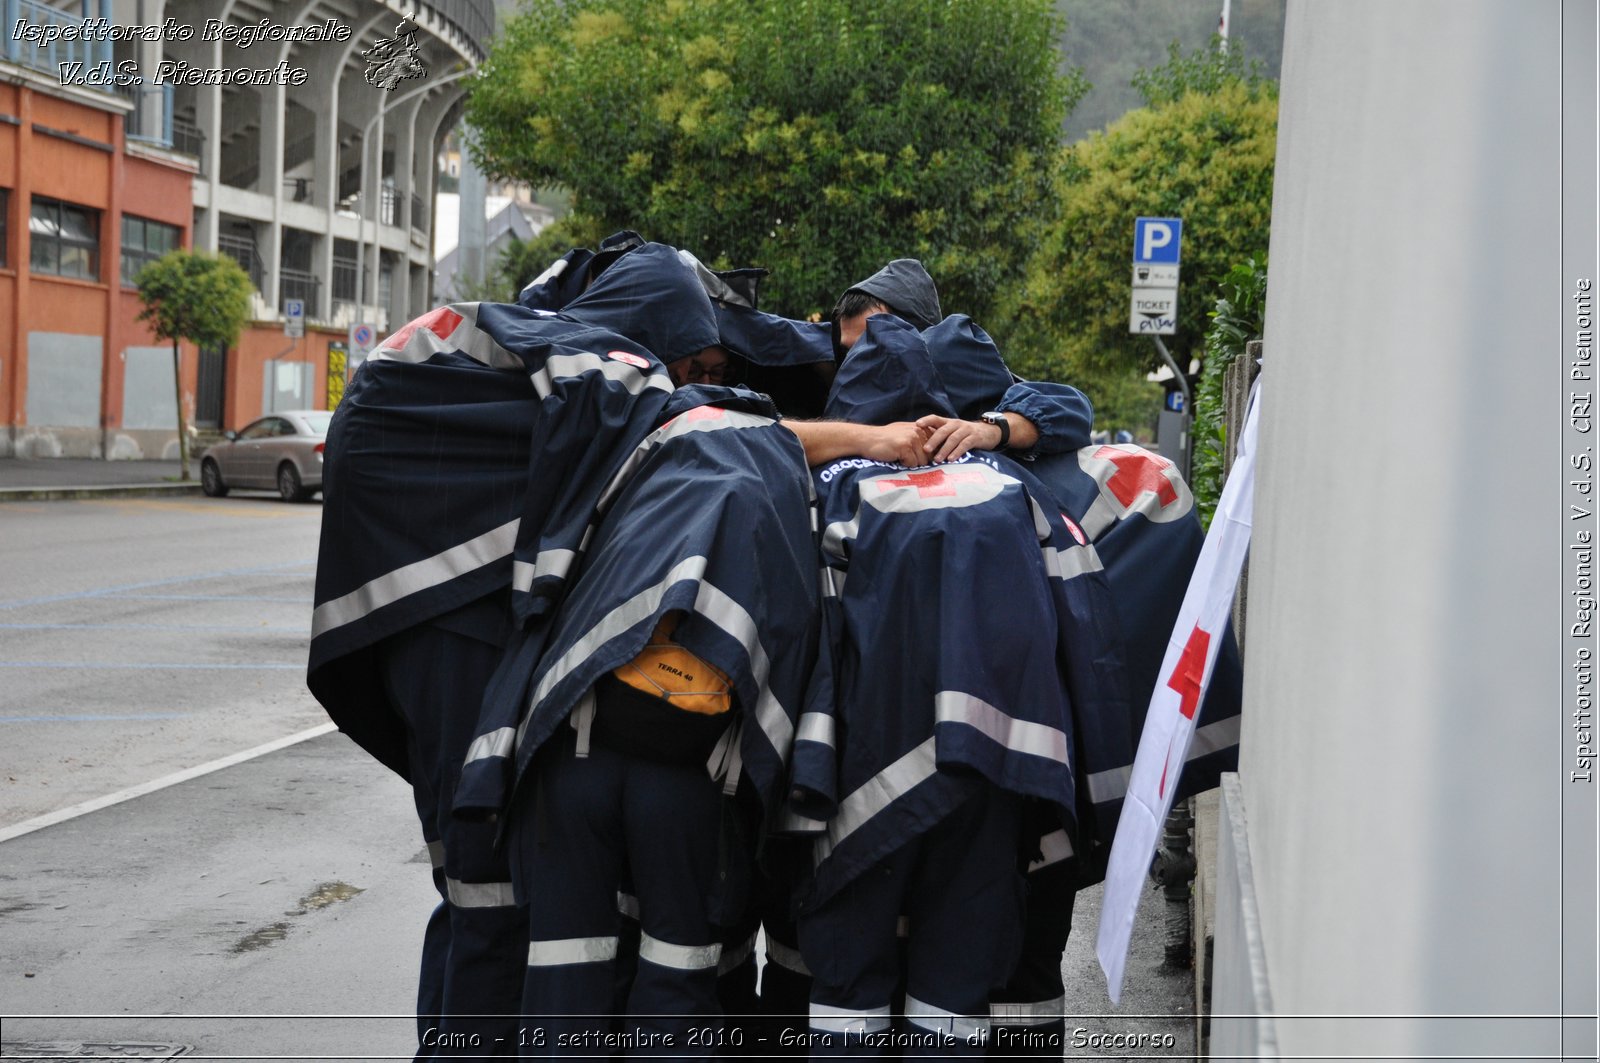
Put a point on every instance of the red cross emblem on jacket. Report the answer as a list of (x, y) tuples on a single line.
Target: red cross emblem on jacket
[(1135, 480), (441, 322), (935, 483)]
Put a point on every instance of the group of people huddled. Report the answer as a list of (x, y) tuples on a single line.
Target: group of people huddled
[(765, 686)]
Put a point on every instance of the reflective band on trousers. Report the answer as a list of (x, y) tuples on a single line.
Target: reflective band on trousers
[(732, 958), (948, 1023), (571, 950), (682, 957), (786, 956), (628, 905), (849, 1020), (480, 894), (436, 854), (1028, 1012)]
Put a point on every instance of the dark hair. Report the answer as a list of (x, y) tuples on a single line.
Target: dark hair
[(855, 301)]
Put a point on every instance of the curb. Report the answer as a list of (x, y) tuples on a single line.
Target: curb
[(42, 494)]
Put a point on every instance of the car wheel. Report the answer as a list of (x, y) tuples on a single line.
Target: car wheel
[(289, 484), (211, 479)]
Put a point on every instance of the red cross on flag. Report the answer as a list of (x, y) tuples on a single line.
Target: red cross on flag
[(1169, 725)]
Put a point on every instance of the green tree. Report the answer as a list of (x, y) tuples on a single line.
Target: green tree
[(1205, 70), (192, 296), (1204, 156), (1238, 317), (818, 140)]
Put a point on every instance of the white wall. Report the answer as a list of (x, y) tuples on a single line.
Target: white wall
[(1402, 760)]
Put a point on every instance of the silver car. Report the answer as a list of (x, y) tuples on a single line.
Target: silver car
[(282, 450)]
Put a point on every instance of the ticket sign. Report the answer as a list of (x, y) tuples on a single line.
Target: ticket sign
[(1154, 312), (1153, 309)]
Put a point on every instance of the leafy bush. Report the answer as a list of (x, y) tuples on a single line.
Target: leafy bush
[(1237, 318), (1205, 157)]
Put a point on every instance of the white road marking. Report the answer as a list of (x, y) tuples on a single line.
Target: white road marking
[(50, 819)]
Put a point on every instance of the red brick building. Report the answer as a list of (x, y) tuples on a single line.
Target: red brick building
[(211, 151)]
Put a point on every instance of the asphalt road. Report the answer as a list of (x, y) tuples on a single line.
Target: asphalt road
[(271, 908), (141, 636)]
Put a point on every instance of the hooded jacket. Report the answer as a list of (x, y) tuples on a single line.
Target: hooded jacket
[(1134, 516), (963, 637), (568, 276), (467, 458), (975, 377), (905, 287), (710, 515)]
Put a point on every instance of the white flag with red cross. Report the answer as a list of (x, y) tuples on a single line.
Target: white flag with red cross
[(1170, 721)]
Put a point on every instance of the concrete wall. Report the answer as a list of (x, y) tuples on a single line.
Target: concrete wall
[(1401, 761), (63, 396), (251, 370), (148, 399)]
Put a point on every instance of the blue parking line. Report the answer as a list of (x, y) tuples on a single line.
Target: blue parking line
[(102, 591), (200, 598), (95, 719), (300, 629), (110, 664)]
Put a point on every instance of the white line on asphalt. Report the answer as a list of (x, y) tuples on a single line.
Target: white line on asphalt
[(50, 819)]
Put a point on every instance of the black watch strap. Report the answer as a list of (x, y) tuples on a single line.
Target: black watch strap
[(1000, 422)]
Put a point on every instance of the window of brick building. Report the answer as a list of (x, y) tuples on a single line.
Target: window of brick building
[(144, 241), (63, 239)]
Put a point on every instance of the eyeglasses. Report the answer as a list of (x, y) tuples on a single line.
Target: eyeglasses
[(697, 373)]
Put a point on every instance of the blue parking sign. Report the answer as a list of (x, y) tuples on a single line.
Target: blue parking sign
[(1156, 240)]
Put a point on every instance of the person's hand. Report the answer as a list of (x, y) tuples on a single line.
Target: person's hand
[(901, 441), (949, 438)]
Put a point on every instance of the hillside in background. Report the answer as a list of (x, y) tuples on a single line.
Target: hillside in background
[(1112, 40)]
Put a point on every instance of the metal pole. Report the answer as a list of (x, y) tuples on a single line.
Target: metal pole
[(1188, 404), (377, 218), (361, 196)]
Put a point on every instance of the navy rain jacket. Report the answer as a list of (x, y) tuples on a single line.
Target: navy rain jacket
[(712, 515), (468, 457), (964, 636), (1134, 516)]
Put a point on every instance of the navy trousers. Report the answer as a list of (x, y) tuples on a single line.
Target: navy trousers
[(1028, 1012), (591, 819), (470, 984), (961, 892)]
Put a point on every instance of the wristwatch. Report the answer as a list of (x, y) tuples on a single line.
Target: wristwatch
[(999, 421)]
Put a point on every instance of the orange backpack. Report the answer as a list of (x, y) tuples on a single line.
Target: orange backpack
[(665, 670)]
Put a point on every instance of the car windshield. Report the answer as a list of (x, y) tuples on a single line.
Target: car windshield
[(318, 422)]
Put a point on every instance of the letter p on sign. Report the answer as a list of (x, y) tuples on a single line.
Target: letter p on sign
[(1157, 240)]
